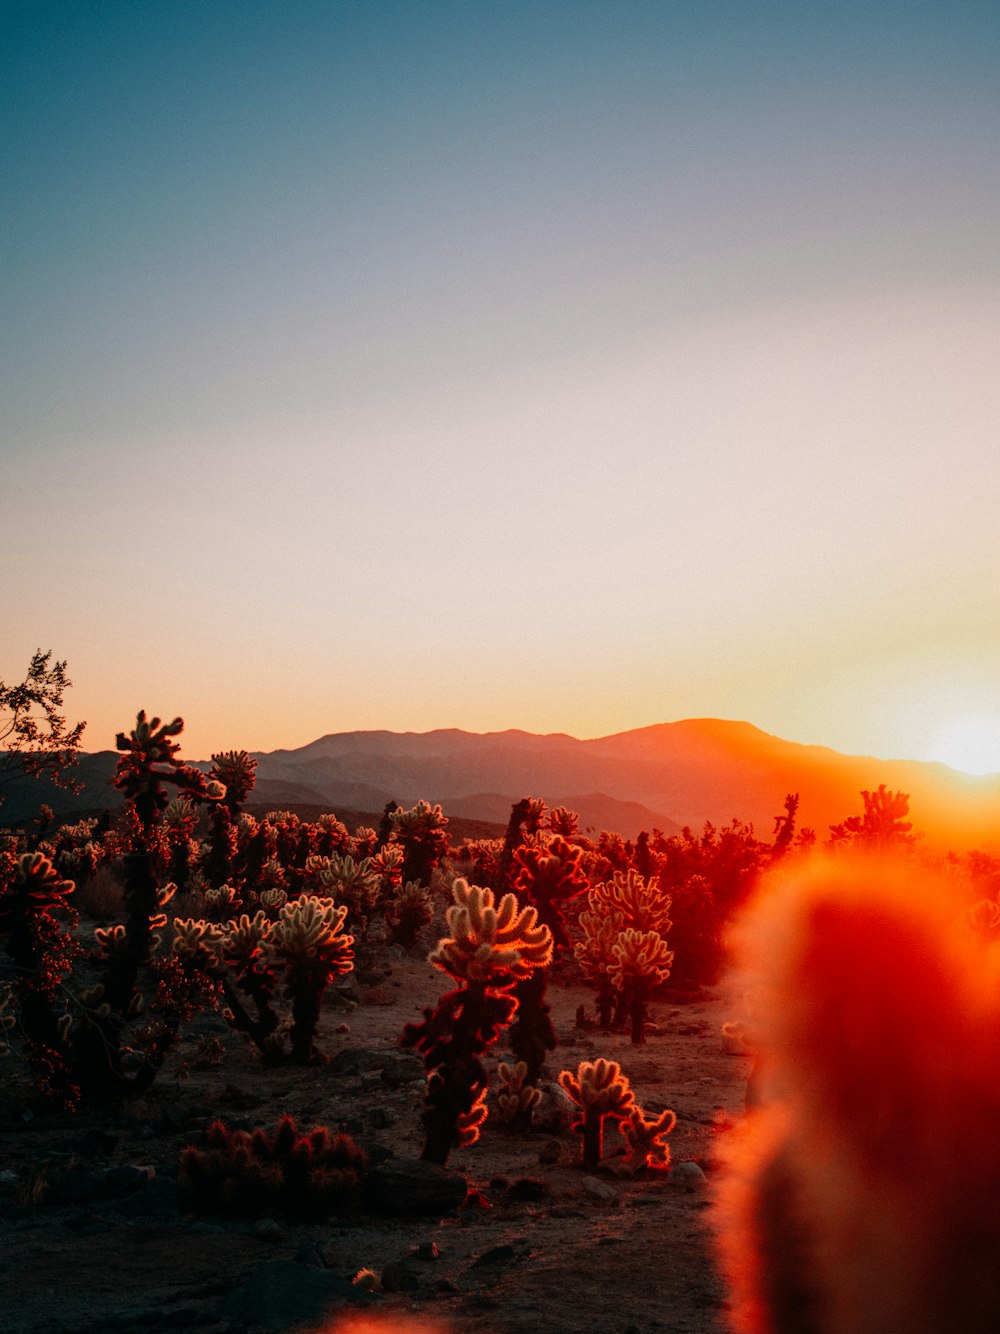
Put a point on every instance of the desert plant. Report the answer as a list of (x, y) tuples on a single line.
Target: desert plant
[(525, 820), (641, 962), (489, 948), (516, 1097), (308, 940), (309, 1174), (646, 1137), (35, 915), (602, 1093), (422, 833), (411, 911), (546, 875)]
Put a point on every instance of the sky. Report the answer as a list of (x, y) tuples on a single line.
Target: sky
[(547, 364)]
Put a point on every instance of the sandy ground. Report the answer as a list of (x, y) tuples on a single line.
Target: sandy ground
[(535, 1248)]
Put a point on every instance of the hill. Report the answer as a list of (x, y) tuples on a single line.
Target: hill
[(664, 776)]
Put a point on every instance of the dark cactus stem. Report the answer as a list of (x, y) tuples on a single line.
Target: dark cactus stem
[(512, 840), (593, 1138), (385, 824), (605, 1003), (532, 1034), (305, 1020), (637, 1011), (259, 1029), (142, 899)]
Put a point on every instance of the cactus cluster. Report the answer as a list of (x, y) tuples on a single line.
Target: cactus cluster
[(310, 1174), (490, 947)]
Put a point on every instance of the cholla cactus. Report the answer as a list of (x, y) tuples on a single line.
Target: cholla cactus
[(236, 769), (353, 884), (546, 874), (525, 820), (640, 903), (222, 904), (42, 951), (411, 910), (421, 832), (601, 1091), (516, 1099), (489, 948), (491, 945), (595, 954), (983, 919), (646, 1137), (240, 1172), (563, 821), (641, 962), (307, 937)]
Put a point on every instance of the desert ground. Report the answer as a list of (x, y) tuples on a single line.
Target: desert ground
[(514, 1236)]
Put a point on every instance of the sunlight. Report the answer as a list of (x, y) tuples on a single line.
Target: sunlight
[(970, 742)]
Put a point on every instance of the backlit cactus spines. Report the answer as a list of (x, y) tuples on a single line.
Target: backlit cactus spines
[(236, 770), (489, 949), (411, 909), (308, 938), (641, 961), (199, 942), (595, 954), (422, 833), (600, 1090), (491, 944), (516, 1099), (470, 1122), (641, 903), (646, 1137), (42, 953)]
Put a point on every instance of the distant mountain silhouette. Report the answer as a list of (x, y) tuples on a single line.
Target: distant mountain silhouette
[(664, 776)]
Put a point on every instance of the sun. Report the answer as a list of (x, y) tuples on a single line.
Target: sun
[(970, 742)]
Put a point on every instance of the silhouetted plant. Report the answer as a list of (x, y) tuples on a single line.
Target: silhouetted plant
[(525, 820), (488, 950), (411, 911), (646, 1137), (245, 1173), (546, 875), (516, 1097), (883, 824), (42, 950), (34, 736), (422, 833), (602, 1093), (641, 962)]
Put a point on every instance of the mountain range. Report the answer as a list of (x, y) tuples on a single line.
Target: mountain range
[(665, 776)]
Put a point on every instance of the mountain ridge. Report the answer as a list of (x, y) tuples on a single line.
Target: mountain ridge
[(665, 775)]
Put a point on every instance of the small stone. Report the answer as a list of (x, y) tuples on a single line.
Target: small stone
[(267, 1229), (445, 1286), (688, 1175), (496, 1255), (342, 1028), (398, 1276), (425, 1250), (599, 1191), (380, 1118), (550, 1152), (529, 1189)]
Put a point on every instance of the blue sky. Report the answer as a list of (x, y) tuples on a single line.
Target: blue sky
[(564, 366)]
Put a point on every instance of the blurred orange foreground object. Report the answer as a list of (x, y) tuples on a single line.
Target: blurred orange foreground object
[(383, 1324), (862, 1198)]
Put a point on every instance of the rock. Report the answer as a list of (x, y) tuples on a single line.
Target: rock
[(425, 1250), (496, 1255), (159, 1200), (267, 1229), (555, 1111), (411, 1187), (280, 1293), (599, 1191), (310, 1253), (687, 1175), (550, 1152), (379, 1118), (398, 1276), (529, 1189)]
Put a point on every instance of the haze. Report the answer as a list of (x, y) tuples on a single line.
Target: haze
[(561, 366)]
